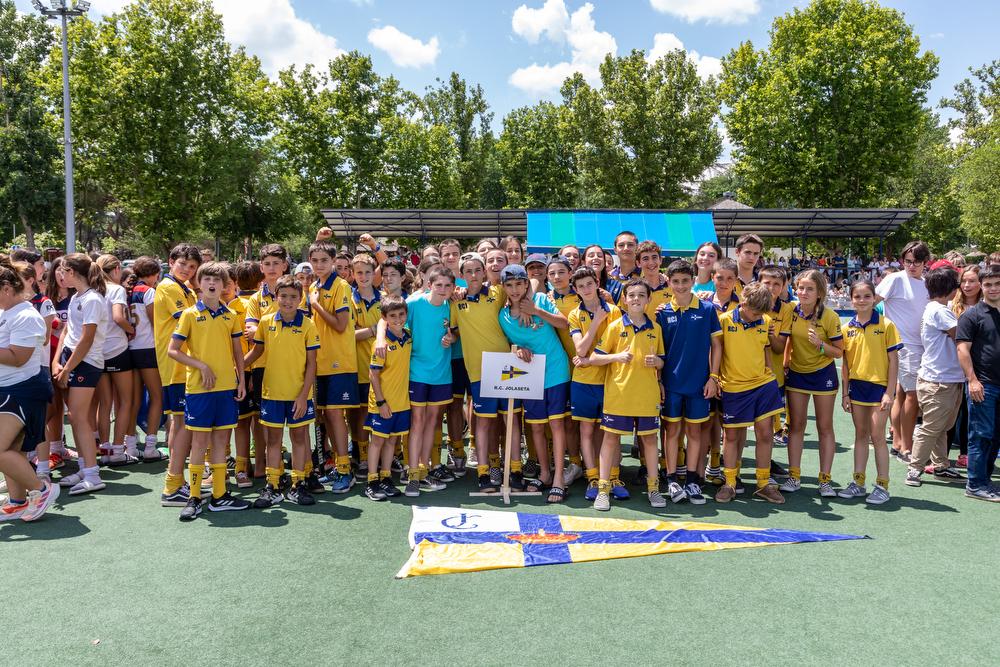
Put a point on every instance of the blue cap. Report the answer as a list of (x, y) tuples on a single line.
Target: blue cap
[(513, 272), (537, 258), (561, 260)]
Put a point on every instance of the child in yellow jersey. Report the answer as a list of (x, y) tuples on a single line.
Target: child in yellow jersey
[(290, 339), (775, 279), (172, 297), (725, 299), (650, 257), (214, 363), (587, 323), (479, 330), (632, 347), (871, 358), (388, 399), (247, 277), (816, 341), (750, 395), (365, 302), (337, 361), (558, 272)]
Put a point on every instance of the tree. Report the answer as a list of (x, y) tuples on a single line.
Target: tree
[(646, 132), (536, 159), (831, 110), (31, 186)]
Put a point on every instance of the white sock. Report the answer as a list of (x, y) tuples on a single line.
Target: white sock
[(151, 441), (92, 474), (130, 441), (57, 446), (42, 467), (117, 449)]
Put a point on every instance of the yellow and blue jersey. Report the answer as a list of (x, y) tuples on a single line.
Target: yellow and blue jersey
[(805, 357), (687, 340), (478, 327), (632, 389), (209, 337), (171, 298), (566, 303), (781, 324), (724, 306), (287, 344), (338, 349), (366, 314), (239, 307), (540, 338), (658, 295), (394, 373), (744, 349), (580, 321), (867, 348)]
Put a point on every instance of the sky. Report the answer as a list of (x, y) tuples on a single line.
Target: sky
[(520, 51)]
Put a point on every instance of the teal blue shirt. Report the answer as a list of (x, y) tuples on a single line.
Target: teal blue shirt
[(540, 339), (430, 363)]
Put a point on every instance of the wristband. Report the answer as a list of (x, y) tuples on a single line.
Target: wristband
[(380, 403), (714, 376), (822, 347)]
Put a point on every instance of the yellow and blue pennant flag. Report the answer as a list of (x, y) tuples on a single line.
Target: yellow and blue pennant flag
[(446, 540)]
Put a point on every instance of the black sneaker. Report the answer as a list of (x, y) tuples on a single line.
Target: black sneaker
[(374, 491), (227, 503), (531, 468), (284, 483), (778, 473), (517, 481), (388, 488), (313, 485), (397, 466), (178, 498), (191, 510), (640, 476), (361, 472), (634, 451), (496, 477), (663, 476), (948, 473), (299, 495), (740, 489), (442, 474), (404, 476), (269, 497), (486, 485)]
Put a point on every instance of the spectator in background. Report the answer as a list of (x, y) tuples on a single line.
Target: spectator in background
[(969, 293), (207, 255)]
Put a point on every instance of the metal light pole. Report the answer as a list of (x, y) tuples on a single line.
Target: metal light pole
[(64, 12)]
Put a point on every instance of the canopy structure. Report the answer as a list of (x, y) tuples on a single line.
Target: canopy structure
[(799, 223)]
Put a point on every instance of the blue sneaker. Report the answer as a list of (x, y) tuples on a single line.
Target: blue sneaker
[(329, 476), (591, 492), (618, 490), (342, 483)]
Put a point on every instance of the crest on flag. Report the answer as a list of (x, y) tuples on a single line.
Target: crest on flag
[(447, 540), (511, 372)]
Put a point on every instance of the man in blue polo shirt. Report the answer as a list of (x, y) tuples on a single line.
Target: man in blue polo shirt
[(690, 332)]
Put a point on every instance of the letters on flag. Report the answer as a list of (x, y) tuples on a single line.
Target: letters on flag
[(447, 540)]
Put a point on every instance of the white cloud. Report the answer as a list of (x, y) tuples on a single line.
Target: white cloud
[(588, 45), (405, 51), (955, 135), (712, 11), (665, 42)]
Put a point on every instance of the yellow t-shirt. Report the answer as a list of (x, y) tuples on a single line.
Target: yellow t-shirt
[(658, 296), (566, 303), (338, 351), (867, 348), (744, 350), (580, 321), (239, 307), (264, 302), (366, 314), (725, 306), (632, 389), (209, 336), (478, 327), (286, 344), (781, 323), (394, 373), (169, 301), (805, 358)]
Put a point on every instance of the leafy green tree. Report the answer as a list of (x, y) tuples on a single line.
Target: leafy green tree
[(31, 184), (831, 110), (536, 158)]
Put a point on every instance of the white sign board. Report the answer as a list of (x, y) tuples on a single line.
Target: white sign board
[(506, 376)]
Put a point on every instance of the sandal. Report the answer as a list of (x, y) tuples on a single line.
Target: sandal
[(558, 492)]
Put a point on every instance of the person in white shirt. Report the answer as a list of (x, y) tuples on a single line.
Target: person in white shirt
[(905, 296), (142, 348), (117, 369)]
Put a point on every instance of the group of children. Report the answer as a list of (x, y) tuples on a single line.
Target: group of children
[(367, 360)]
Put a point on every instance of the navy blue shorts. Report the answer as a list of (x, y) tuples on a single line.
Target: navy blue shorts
[(483, 406), (84, 375), (865, 393), (397, 424), (211, 411), (338, 391), (364, 388), (586, 401), (144, 357), (173, 398), (693, 409), (460, 385), (554, 406), (278, 414), (120, 363), (422, 393), (745, 408), (248, 407), (627, 425), (256, 384), (821, 382), (28, 401)]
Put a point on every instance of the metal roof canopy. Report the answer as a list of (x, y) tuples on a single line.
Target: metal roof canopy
[(790, 223)]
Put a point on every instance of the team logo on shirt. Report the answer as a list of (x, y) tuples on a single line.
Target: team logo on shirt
[(511, 372)]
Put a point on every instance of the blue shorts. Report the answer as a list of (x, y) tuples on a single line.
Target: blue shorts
[(84, 375), (865, 393), (211, 411), (586, 401), (174, 397), (120, 363), (337, 391), (279, 413), (554, 406), (143, 357), (693, 409), (714, 407), (483, 407), (628, 425), (248, 407), (745, 408), (255, 386), (422, 393), (397, 424), (460, 385), (364, 388), (821, 382), (28, 400)]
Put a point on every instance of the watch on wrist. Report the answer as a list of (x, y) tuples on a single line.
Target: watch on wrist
[(379, 404)]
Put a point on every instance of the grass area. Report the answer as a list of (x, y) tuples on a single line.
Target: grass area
[(113, 578)]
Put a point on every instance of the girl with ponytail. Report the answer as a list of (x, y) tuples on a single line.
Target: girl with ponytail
[(117, 370)]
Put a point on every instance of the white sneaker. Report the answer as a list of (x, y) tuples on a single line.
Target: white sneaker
[(791, 485), (572, 473), (44, 476), (603, 502), (39, 501), (86, 486), (676, 492), (243, 480), (826, 490), (656, 499), (71, 480)]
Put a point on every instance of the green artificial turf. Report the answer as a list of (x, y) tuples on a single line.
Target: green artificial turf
[(113, 578)]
